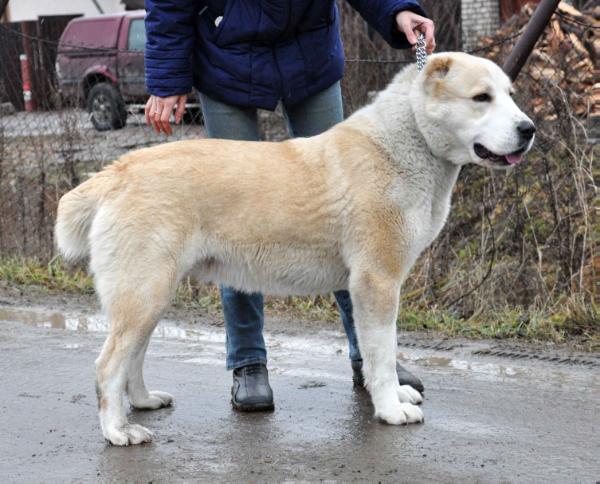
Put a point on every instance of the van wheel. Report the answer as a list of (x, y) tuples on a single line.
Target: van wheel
[(106, 107)]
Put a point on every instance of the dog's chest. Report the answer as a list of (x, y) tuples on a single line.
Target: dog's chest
[(425, 205), (425, 222)]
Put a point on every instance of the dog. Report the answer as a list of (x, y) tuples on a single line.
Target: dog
[(351, 208)]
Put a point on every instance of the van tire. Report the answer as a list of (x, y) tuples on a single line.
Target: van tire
[(106, 107)]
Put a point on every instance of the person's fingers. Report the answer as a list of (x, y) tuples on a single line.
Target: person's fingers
[(411, 25), (407, 28), (180, 109), (429, 32), (147, 110), (158, 108), (158, 112), (165, 118)]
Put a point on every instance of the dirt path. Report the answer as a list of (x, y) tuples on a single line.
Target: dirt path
[(493, 412)]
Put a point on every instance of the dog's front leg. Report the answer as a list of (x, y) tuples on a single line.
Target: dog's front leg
[(375, 300)]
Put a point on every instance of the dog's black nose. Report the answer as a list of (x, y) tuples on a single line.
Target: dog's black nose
[(526, 130)]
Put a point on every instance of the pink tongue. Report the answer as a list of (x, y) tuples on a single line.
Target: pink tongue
[(514, 159)]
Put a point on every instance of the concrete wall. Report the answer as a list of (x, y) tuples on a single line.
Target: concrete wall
[(479, 18), (19, 10)]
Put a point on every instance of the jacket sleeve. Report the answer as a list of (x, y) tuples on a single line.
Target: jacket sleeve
[(169, 44), (381, 15)]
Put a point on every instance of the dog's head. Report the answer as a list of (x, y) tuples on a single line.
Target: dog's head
[(469, 101)]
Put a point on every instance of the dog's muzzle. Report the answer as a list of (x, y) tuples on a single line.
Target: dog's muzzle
[(509, 159)]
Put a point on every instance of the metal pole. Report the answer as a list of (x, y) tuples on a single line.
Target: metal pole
[(26, 68), (533, 31), (26, 76), (97, 5)]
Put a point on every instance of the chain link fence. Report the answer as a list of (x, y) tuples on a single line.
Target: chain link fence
[(527, 237)]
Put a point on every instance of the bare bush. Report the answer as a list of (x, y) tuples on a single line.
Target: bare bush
[(527, 238)]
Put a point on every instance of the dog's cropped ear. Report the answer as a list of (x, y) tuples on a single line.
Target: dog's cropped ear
[(435, 71)]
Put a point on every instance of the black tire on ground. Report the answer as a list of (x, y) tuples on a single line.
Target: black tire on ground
[(106, 107)]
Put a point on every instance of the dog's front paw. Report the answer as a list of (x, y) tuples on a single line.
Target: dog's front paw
[(153, 401), (400, 414), (128, 434), (407, 394)]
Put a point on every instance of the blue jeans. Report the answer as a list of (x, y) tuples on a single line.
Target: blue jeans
[(244, 316)]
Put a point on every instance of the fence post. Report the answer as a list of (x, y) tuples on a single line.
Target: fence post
[(533, 31), (26, 71), (26, 77)]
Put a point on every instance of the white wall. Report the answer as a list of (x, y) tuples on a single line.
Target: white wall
[(19, 10), (479, 18)]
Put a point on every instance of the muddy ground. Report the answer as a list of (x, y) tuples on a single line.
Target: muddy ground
[(494, 411)]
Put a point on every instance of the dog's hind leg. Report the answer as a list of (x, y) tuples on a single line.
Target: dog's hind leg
[(375, 301), (134, 305), (139, 396)]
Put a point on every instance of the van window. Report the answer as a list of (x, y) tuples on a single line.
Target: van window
[(137, 35), (99, 33)]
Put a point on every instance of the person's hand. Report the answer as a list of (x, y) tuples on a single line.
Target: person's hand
[(159, 109), (410, 24)]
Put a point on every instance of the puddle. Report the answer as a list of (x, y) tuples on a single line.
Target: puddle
[(32, 318), (328, 343), (318, 347), (98, 324), (487, 368)]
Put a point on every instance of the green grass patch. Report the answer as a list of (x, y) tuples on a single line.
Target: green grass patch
[(571, 320), (53, 276)]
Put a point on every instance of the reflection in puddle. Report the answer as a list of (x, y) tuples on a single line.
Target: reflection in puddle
[(436, 361), (53, 320), (475, 366), (323, 344), (327, 345), (99, 324), (282, 348), (32, 318)]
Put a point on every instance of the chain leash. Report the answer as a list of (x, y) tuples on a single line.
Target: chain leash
[(421, 52)]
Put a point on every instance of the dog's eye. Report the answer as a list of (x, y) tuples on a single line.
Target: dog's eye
[(484, 97)]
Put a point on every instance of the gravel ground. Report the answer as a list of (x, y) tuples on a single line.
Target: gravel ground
[(70, 132)]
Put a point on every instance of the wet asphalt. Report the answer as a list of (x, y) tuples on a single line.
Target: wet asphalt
[(489, 418)]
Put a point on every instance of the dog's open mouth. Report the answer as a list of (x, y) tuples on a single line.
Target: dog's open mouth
[(510, 159)]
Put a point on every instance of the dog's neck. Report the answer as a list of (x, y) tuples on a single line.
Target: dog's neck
[(401, 122), (401, 106)]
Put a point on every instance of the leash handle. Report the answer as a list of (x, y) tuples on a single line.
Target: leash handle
[(421, 52)]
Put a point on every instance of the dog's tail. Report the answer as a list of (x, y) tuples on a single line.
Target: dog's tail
[(75, 214)]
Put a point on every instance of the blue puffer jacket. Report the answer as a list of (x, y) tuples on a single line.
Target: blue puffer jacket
[(253, 53)]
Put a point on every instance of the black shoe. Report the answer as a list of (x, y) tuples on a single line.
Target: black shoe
[(405, 377), (251, 391)]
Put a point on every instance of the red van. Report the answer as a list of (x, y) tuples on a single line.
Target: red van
[(100, 64)]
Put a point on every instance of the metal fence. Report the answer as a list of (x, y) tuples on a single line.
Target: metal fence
[(521, 237)]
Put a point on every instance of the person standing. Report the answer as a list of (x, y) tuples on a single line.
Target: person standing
[(244, 55)]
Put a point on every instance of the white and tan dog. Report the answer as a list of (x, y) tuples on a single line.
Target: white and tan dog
[(350, 209)]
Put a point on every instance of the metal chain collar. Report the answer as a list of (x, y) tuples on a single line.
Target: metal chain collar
[(421, 52)]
